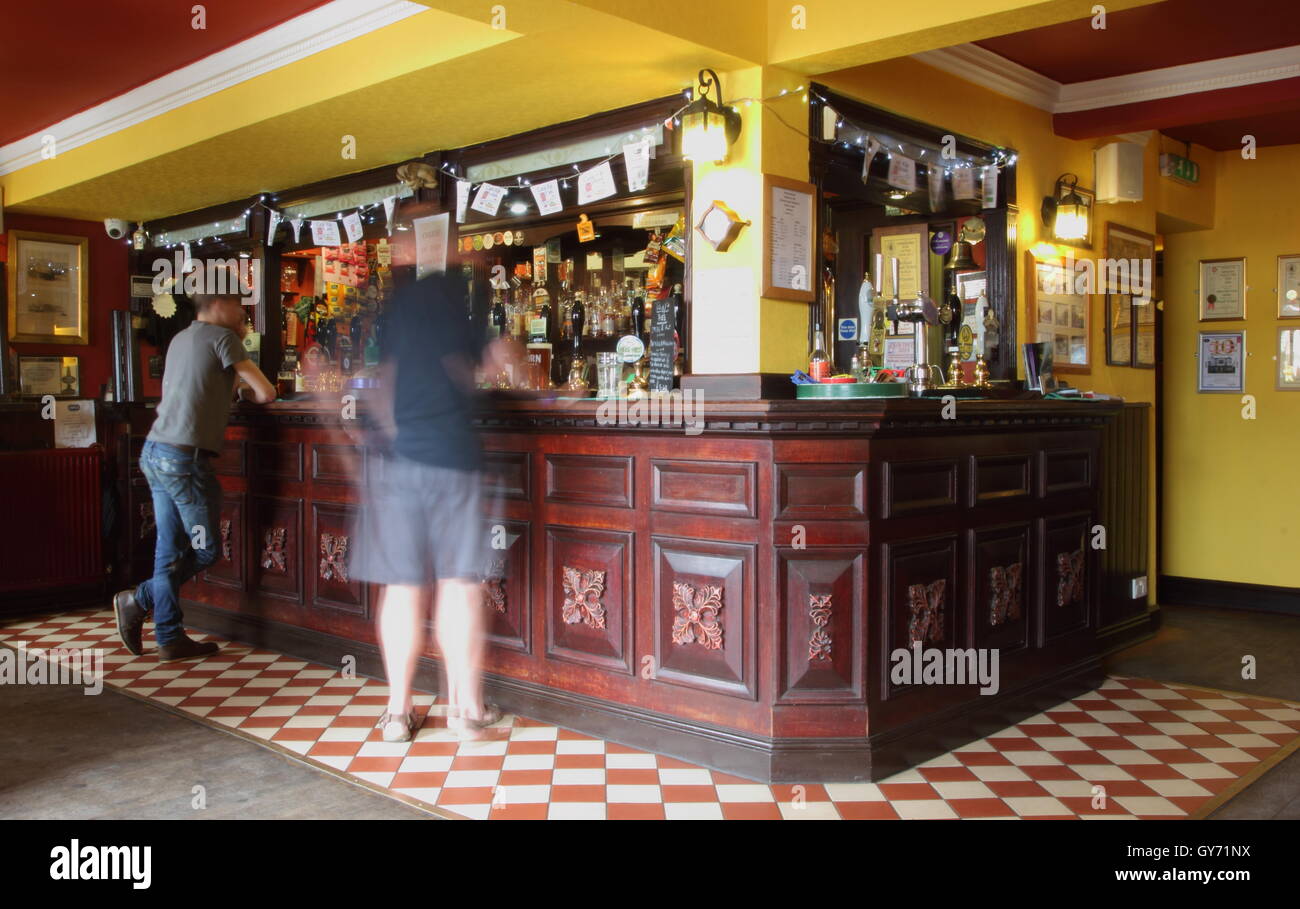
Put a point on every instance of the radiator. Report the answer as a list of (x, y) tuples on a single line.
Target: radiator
[(1125, 512), (50, 514)]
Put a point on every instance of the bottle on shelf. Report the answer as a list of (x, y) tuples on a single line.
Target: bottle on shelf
[(819, 362)]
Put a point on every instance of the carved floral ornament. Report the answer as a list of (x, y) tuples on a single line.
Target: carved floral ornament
[(925, 604), (819, 641), (582, 592), (696, 619), (227, 547), (494, 585), (273, 556), (1005, 596), (333, 557), (1069, 577)]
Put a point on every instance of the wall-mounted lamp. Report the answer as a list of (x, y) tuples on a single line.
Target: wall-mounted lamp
[(708, 128), (1065, 214)]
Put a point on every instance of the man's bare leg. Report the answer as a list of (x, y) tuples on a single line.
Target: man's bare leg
[(460, 629), (401, 637)]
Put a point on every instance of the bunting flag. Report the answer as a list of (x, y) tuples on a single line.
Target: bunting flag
[(488, 199), (462, 200), (934, 175), (963, 183), (597, 183), (326, 233), (352, 224), (873, 149), (902, 172), (296, 224), (390, 206), (990, 192), (273, 226), (547, 196), (636, 161)]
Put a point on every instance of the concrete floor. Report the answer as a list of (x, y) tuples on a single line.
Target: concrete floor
[(155, 758), (1199, 646), (73, 757)]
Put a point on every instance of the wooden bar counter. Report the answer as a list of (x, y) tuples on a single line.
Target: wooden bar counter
[(731, 595)]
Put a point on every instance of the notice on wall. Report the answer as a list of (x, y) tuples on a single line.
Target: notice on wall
[(899, 353), (431, 243), (906, 248), (789, 240), (74, 424)]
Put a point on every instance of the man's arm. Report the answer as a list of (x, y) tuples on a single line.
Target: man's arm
[(249, 375)]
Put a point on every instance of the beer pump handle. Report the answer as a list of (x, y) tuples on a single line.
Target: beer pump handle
[(880, 274), (893, 270)]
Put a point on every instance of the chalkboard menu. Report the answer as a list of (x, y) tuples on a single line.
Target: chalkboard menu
[(663, 346)]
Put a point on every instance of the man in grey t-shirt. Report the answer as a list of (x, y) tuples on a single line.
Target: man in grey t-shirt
[(204, 362)]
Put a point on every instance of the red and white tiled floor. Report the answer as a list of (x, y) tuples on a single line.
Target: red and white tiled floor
[(1159, 751)]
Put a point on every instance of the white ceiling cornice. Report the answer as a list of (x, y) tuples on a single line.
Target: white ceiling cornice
[(319, 29), (998, 74)]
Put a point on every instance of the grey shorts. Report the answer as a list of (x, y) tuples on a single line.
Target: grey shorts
[(420, 524)]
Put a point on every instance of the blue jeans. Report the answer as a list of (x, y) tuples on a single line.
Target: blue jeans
[(186, 506)]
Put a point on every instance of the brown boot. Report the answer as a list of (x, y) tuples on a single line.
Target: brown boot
[(185, 649), (130, 621)]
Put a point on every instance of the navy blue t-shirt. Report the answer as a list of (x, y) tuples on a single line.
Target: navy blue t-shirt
[(429, 337)]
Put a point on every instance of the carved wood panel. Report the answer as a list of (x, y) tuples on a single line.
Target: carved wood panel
[(276, 547), (821, 619), (703, 614), (506, 474), (1000, 478), (278, 460), (333, 538), (228, 569), (589, 480), (344, 464), (230, 461), (1067, 569), (589, 609), (1001, 588), (704, 487), (507, 591), (918, 486), (1065, 470), (922, 601), (821, 492)]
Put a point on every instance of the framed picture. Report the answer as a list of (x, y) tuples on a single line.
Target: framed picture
[(909, 244), (48, 287), (1144, 333), (58, 376), (1132, 257), (1119, 330), (1221, 363), (1288, 359), (1222, 289), (1288, 287), (789, 245), (1058, 316)]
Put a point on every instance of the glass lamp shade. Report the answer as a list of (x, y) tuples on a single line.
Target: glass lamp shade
[(1071, 219), (704, 135)]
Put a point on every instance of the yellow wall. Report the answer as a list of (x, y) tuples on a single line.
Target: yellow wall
[(1232, 503)]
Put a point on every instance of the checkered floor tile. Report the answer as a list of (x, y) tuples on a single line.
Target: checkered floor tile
[(1130, 749)]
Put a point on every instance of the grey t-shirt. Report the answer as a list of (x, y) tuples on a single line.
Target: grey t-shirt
[(198, 382)]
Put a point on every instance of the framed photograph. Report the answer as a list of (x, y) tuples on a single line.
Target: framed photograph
[(1288, 287), (1288, 359), (1132, 254), (1222, 289), (1058, 316), (48, 287), (58, 376), (1221, 363), (1119, 330), (1144, 333), (789, 241)]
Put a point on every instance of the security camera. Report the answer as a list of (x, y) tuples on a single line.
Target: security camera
[(116, 227)]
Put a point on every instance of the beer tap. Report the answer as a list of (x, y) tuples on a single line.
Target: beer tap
[(923, 314)]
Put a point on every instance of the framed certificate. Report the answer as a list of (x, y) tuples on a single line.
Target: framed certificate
[(58, 376), (48, 284), (1119, 330), (1058, 315), (1221, 365), (788, 239), (1288, 287), (1288, 359), (1222, 289)]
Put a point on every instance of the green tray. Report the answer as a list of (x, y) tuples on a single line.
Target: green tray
[(853, 390)]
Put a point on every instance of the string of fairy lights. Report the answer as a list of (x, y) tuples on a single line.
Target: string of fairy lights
[(848, 134)]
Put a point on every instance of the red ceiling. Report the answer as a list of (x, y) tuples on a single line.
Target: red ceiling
[(1152, 37), (58, 59)]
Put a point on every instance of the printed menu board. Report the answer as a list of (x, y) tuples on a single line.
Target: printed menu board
[(788, 272)]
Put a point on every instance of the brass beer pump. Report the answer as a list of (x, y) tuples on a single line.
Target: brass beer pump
[(922, 313)]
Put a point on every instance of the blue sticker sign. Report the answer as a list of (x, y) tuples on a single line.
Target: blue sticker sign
[(848, 329), (941, 242)]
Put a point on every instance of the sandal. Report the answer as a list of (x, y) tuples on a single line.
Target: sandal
[(399, 727), (471, 730)]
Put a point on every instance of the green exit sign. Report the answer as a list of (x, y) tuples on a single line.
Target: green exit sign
[(1177, 167)]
